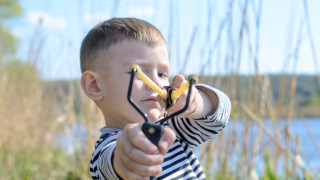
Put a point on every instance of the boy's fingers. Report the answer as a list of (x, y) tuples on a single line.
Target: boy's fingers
[(141, 157), (125, 173), (141, 169), (181, 102), (166, 141), (129, 161)]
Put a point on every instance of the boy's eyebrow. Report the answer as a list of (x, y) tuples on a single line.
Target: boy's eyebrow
[(165, 65), (148, 64), (140, 63)]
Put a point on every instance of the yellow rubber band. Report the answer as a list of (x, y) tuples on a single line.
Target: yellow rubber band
[(175, 94), (162, 92)]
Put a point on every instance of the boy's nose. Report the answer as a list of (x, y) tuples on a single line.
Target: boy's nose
[(155, 78)]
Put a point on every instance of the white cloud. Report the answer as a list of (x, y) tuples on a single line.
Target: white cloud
[(46, 20), (141, 11), (96, 17)]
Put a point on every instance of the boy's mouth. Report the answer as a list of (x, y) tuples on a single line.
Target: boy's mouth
[(152, 98), (152, 101)]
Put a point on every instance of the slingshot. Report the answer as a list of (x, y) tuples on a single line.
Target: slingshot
[(153, 131)]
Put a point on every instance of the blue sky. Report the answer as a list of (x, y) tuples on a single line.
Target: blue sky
[(281, 43)]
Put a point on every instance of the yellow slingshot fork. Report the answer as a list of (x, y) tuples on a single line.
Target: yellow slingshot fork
[(162, 92)]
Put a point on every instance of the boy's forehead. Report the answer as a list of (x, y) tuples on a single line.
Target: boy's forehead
[(134, 43), (129, 52), (133, 47)]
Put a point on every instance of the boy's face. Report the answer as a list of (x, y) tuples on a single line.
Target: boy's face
[(114, 70)]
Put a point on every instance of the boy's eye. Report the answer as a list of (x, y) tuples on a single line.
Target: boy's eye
[(163, 75)]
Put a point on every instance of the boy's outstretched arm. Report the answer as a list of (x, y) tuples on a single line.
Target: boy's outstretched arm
[(135, 157), (207, 114)]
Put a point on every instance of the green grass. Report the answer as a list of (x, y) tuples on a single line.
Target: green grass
[(315, 100), (39, 163)]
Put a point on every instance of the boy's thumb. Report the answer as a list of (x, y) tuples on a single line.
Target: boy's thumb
[(178, 81), (167, 139)]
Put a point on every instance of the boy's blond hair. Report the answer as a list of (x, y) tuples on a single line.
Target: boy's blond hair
[(115, 30)]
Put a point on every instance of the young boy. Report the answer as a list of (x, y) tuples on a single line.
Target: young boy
[(123, 151)]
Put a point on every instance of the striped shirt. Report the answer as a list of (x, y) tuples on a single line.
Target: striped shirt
[(180, 162)]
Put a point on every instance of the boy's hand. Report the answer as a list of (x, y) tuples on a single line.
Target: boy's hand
[(195, 99), (135, 157), (200, 103)]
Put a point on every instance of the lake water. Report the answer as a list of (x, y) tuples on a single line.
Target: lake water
[(308, 129)]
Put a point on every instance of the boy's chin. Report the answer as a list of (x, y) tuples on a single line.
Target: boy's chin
[(153, 116)]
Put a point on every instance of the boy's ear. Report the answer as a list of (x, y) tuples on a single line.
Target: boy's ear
[(91, 86)]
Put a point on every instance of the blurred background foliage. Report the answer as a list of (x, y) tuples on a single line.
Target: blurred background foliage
[(8, 9)]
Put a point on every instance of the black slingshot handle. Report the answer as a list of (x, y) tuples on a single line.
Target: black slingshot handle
[(153, 132)]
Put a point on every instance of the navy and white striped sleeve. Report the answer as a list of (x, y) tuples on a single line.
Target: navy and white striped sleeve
[(101, 160), (195, 132)]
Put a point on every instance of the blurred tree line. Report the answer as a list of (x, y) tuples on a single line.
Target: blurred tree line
[(307, 89), (307, 97), (8, 9)]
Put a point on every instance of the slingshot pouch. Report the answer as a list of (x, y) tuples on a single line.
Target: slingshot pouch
[(168, 102)]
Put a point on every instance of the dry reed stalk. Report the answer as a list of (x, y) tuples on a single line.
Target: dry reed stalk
[(256, 146), (216, 156), (272, 113), (282, 94), (215, 44), (218, 80), (297, 153), (311, 41), (170, 30), (227, 150), (291, 98), (224, 152), (189, 48), (290, 109), (250, 92), (313, 139), (210, 156), (264, 96), (207, 39), (266, 103), (178, 33), (257, 41), (245, 151)]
